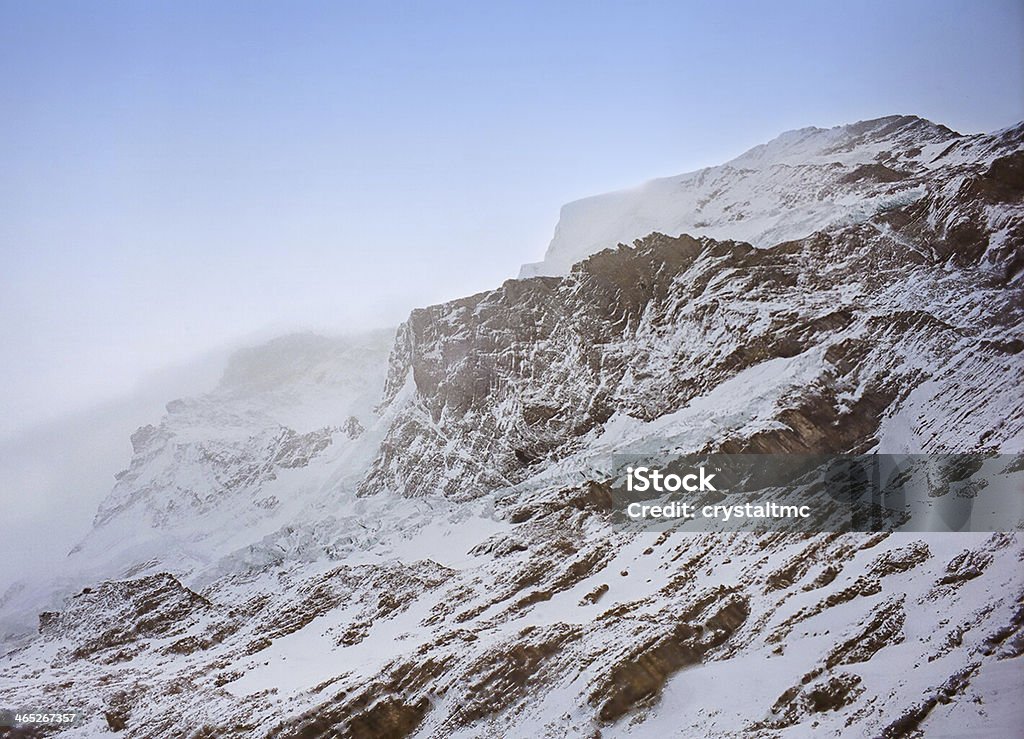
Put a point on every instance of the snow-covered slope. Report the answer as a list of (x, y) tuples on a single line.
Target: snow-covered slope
[(447, 566), (801, 182)]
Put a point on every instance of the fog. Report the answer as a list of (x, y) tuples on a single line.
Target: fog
[(53, 476)]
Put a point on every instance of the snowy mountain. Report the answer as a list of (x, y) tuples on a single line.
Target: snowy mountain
[(343, 541)]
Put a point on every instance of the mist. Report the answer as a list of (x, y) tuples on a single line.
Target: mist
[(53, 476)]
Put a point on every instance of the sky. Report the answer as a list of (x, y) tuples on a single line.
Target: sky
[(176, 177)]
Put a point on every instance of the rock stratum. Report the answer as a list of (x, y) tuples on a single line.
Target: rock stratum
[(408, 535)]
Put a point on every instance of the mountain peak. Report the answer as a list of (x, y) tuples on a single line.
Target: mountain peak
[(802, 181), (853, 142), (849, 143)]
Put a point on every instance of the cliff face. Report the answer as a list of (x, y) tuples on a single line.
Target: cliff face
[(910, 303), (444, 566)]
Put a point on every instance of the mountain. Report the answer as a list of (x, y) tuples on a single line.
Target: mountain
[(343, 540)]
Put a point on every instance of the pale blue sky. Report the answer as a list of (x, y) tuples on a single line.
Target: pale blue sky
[(176, 175)]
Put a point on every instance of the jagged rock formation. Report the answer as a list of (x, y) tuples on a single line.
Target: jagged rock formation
[(446, 566)]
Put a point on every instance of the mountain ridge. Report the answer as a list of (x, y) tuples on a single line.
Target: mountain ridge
[(784, 189)]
